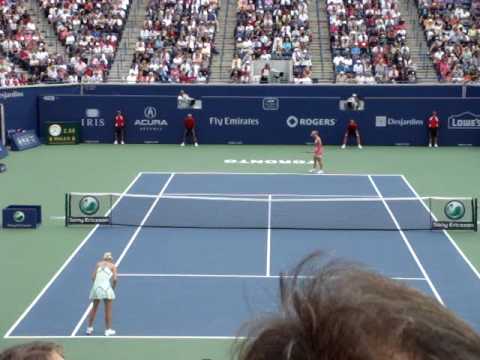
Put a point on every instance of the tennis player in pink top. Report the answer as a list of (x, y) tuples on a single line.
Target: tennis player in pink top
[(317, 153)]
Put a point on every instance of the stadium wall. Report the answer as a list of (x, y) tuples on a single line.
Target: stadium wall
[(394, 115)]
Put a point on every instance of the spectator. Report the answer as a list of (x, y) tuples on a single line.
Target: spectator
[(189, 130), (265, 74), (33, 351), (343, 311)]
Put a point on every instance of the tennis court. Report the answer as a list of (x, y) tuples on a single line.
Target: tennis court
[(184, 282)]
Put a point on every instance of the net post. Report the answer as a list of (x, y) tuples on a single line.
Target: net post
[(475, 214), (67, 208), (430, 212)]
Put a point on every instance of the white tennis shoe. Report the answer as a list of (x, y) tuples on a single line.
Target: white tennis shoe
[(320, 172), (359, 146), (110, 332), (89, 330), (344, 146)]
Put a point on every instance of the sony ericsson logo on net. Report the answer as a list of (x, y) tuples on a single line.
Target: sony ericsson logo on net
[(233, 121), (89, 205), (150, 120), (93, 118), (454, 210), (293, 121), (384, 121), (465, 121), (19, 217)]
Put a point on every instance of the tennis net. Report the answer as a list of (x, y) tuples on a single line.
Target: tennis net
[(265, 211)]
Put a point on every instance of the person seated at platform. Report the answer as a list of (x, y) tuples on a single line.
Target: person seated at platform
[(338, 310)]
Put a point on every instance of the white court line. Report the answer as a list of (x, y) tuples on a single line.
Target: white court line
[(127, 247), (454, 244), (65, 264), (234, 276), (407, 243), (260, 173), (269, 233), (125, 337)]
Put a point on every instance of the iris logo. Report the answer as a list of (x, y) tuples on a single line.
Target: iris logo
[(92, 113), (19, 216), (89, 205), (150, 112), (454, 210)]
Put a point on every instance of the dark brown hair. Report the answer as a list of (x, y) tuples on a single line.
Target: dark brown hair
[(38, 350), (342, 311)]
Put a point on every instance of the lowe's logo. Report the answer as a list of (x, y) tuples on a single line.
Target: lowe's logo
[(293, 122), (466, 121)]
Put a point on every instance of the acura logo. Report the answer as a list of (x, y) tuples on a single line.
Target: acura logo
[(150, 112)]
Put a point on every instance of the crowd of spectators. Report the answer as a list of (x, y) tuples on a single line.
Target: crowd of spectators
[(24, 48), (452, 30), (272, 29), (368, 40), (11, 75), (90, 31), (177, 42)]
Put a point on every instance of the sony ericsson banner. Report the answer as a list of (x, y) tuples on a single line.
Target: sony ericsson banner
[(22, 216), (149, 119)]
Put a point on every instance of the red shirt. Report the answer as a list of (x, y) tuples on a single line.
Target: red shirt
[(433, 122), (119, 121), (352, 127), (189, 122)]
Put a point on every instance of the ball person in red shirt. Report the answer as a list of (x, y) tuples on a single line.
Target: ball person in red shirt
[(119, 128), (352, 131), (189, 124), (317, 153), (433, 125)]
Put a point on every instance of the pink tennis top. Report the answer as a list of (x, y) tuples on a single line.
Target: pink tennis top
[(318, 147)]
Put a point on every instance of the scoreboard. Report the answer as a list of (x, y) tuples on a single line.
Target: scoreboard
[(62, 133)]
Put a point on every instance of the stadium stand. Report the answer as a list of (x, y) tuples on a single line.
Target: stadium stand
[(368, 40), (272, 29), (28, 60), (452, 34), (176, 43), (90, 30)]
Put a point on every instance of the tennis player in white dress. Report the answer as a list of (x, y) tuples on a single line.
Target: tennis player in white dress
[(104, 280)]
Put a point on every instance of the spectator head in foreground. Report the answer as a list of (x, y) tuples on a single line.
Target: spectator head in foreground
[(341, 311), (33, 351)]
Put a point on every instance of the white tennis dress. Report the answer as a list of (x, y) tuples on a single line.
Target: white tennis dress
[(102, 286)]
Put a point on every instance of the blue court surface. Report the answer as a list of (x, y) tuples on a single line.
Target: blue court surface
[(204, 283)]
